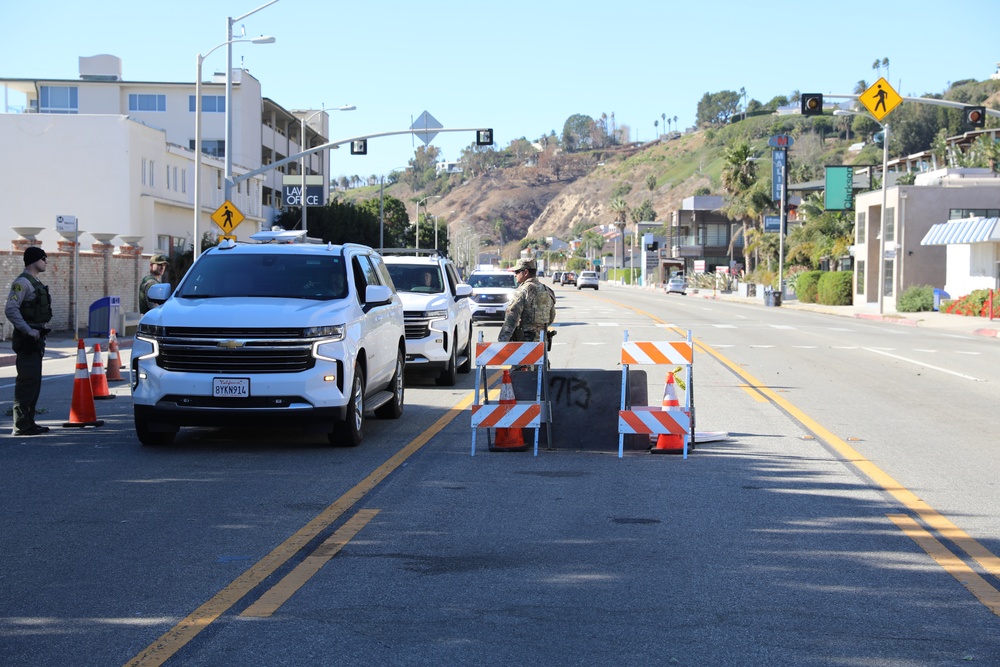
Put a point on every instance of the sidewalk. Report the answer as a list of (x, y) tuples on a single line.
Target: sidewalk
[(62, 345)]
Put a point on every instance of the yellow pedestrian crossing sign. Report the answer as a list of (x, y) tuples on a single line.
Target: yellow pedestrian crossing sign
[(228, 217), (880, 99)]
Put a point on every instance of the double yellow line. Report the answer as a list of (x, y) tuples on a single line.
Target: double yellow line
[(188, 628)]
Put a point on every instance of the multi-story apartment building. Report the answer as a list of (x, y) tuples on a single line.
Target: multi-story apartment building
[(119, 155)]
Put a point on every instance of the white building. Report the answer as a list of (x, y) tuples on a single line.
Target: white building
[(119, 155)]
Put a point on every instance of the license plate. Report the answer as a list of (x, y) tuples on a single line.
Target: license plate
[(231, 387), (492, 311)]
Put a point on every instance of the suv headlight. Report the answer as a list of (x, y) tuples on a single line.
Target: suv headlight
[(333, 332), (436, 314)]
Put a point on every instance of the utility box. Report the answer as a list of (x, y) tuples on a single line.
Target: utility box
[(105, 314), (938, 295)]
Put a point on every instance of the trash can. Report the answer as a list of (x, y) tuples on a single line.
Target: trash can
[(772, 298), (938, 295), (104, 316)]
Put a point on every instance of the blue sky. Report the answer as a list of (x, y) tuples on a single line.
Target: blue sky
[(519, 67)]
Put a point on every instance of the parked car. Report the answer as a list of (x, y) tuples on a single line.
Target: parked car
[(274, 333), (436, 312), (568, 278), (491, 292), (588, 279), (676, 285), (557, 278)]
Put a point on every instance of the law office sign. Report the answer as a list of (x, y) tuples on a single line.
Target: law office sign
[(292, 191)]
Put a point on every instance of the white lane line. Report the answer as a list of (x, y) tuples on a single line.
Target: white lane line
[(607, 324), (761, 347), (843, 347), (780, 326), (970, 353), (724, 326), (805, 347), (920, 363)]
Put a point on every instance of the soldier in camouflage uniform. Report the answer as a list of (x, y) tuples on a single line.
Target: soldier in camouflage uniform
[(29, 309), (157, 265), (532, 309)]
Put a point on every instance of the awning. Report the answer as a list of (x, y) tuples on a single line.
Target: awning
[(968, 230)]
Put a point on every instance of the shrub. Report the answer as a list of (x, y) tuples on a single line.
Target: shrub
[(916, 299), (805, 286), (975, 304), (834, 288)]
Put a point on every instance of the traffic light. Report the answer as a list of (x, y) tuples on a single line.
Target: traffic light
[(484, 137), (811, 104), (974, 116), (359, 147)]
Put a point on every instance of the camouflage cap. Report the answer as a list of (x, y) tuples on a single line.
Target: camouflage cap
[(525, 264), (159, 259)]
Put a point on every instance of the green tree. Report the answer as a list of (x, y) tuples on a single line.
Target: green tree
[(739, 176), (651, 182), (577, 132), (717, 108), (644, 212), (397, 220)]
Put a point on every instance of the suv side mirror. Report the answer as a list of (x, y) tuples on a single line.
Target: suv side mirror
[(376, 295), (158, 293), (463, 291)]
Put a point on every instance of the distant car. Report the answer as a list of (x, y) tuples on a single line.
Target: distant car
[(568, 278), (491, 292), (676, 285), (557, 277), (587, 279)]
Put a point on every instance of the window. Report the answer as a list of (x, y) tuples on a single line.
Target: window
[(143, 102), (887, 285), (209, 103), (890, 224), (184, 179), (176, 185), (962, 213), (58, 99), (859, 227), (144, 165), (152, 172), (860, 273), (713, 235), (168, 177), (213, 147)]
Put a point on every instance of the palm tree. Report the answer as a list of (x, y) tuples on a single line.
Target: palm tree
[(664, 117), (739, 175), (675, 122), (656, 129), (620, 210)]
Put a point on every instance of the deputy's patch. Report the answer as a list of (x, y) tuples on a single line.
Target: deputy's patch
[(17, 287)]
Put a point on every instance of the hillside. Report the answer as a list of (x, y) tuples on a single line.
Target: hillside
[(546, 198)]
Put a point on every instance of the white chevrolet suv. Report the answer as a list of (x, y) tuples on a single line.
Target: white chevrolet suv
[(276, 333), (436, 311)]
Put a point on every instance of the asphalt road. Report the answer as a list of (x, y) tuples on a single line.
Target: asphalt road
[(838, 525)]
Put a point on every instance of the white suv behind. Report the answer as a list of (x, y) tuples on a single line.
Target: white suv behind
[(436, 311), (491, 294), (279, 334)]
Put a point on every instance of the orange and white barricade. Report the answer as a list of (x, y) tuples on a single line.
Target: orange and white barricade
[(657, 419), (509, 414)]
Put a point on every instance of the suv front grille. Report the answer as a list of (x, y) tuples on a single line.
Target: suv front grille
[(418, 325), (184, 349)]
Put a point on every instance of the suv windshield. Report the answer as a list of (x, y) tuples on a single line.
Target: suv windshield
[(492, 280), (285, 276), (422, 278)]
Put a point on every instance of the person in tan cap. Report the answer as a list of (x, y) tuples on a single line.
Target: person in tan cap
[(157, 265), (532, 309)]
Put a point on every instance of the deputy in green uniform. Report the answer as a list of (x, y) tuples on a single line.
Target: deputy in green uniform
[(532, 309), (29, 309), (157, 265)]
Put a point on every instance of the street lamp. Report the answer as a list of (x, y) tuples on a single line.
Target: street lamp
[(229, 93), (303, 141), (885, 190), (197, 134), (418, 216)]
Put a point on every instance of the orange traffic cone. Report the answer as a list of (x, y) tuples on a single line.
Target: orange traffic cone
[(114, 373), (508, 439), (82, 411), (669, 443), (98, 381)]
